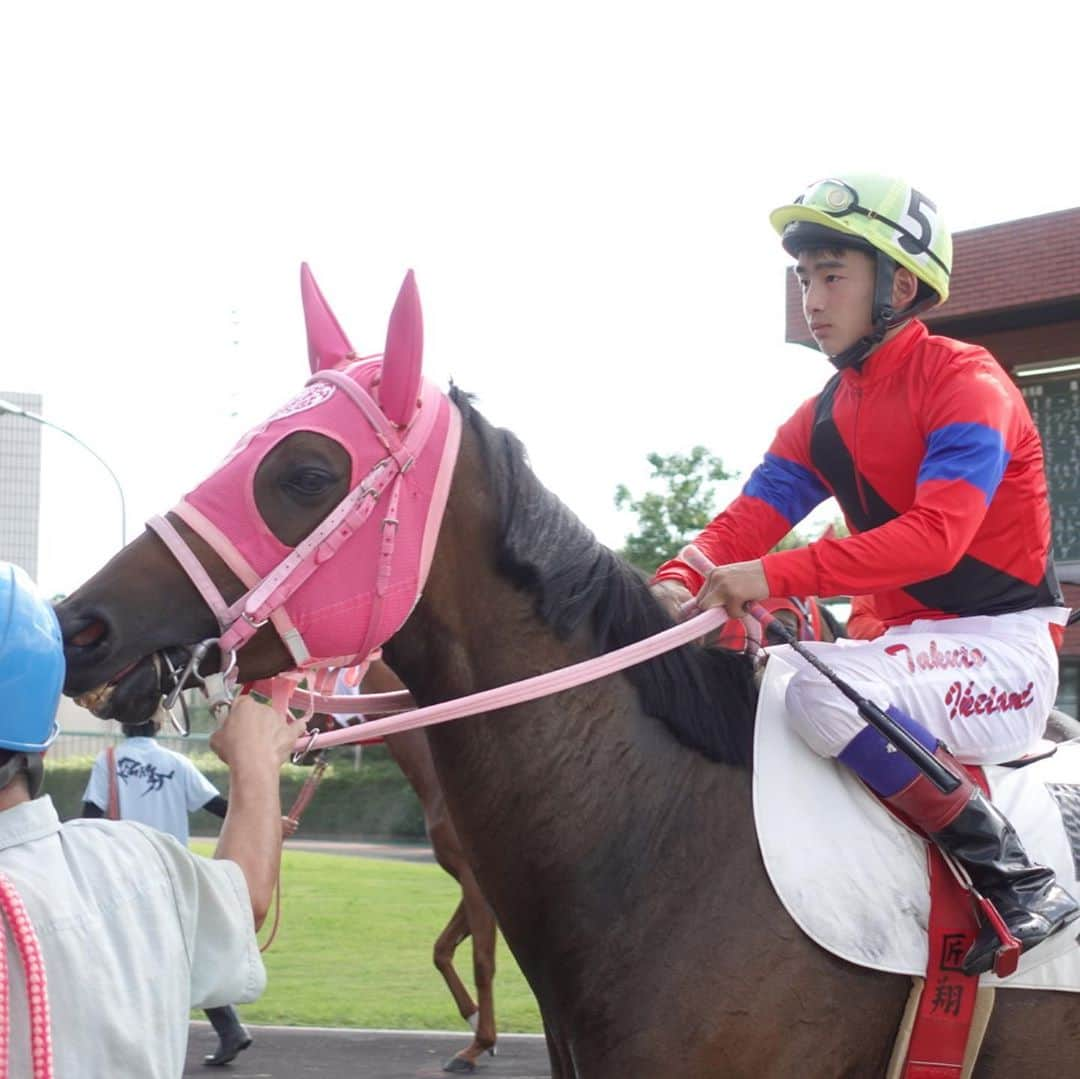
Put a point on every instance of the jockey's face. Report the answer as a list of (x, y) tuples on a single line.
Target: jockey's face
[(838, 293)]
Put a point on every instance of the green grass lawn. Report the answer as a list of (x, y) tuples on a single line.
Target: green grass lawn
[(354, 949)]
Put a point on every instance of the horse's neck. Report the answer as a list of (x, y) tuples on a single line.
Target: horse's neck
[(556, 779)]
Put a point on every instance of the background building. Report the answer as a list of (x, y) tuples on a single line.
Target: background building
[(1016, 290), (20, 483), (20, 504)]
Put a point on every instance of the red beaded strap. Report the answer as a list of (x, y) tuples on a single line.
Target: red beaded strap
[(37, 991)]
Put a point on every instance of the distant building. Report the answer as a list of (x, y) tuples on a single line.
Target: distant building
[(1016, 290), (20, 483)]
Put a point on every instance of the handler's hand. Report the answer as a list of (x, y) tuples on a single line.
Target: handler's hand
[(734, 586), (671, 596), (254, 732)]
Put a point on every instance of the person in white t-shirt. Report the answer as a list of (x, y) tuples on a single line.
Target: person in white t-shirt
[(159, 787), (154, 785), (132, 930)]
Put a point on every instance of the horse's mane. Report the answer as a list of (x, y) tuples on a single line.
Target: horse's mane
[(705, 696)]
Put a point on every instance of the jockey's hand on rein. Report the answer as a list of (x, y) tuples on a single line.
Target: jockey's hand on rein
[(734, 586)]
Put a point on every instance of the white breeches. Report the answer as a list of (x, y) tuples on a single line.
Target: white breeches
[(982, 685)]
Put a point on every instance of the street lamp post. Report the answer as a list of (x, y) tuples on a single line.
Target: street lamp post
[(14, 410)]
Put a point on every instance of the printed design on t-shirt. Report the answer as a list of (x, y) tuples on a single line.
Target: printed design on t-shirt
[(129, 768)]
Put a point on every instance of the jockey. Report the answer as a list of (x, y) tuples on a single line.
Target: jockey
[(933, 457)]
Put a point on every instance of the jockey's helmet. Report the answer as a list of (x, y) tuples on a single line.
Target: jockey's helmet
[(888, 219), (31, 665)]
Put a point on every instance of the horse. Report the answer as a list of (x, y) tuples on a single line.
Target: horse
[(472, 917), (611, 826)]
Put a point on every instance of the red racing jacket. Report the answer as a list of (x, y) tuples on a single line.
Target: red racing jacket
[(937, 465)]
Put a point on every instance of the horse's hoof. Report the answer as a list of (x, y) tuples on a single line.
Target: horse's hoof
[(460, 1066)]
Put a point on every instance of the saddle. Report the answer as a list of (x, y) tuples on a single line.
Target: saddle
[(856, 880)]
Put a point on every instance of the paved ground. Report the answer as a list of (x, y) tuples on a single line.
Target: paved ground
[(299, 1052)]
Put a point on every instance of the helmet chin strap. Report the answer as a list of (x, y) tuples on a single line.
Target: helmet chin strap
[(883, 316)]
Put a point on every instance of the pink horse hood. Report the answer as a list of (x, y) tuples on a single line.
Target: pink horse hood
[(336, 623)]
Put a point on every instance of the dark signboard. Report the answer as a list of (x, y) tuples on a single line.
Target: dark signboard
[(1055, 407)]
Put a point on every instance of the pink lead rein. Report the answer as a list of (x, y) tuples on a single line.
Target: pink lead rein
[(527, 690)]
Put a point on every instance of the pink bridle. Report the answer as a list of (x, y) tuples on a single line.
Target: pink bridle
[(309, 592)]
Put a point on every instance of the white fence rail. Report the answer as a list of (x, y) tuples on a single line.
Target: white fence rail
[(91, 743)]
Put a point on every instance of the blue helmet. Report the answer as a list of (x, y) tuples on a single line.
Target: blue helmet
[(31, 665)]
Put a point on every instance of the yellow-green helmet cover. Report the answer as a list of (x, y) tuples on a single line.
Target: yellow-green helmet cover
[(885, 212)]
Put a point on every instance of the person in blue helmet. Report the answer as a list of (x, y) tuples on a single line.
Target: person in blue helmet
[(134, 930)]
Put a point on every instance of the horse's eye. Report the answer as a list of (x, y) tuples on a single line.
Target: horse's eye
[(308, 482)]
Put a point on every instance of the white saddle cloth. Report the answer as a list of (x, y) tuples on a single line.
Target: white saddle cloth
[(855, 880)]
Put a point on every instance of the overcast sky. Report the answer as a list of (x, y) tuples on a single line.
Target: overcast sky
[(582, 189)]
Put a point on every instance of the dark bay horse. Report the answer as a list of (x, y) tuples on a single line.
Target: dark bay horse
[(611, 826)]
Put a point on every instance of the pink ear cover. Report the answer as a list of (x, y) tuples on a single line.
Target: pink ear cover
[(327, 344), (404, 355)]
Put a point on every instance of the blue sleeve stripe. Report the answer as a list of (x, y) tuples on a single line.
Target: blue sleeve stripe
[(791, 490), (966, 451)]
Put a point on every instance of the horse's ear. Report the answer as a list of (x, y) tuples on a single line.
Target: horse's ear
[(404, 355), (327, 343)]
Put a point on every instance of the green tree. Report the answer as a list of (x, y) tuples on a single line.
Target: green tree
[(670, 518), (834, 529)]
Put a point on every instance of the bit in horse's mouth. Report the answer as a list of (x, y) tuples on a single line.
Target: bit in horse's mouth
[(133, 693), (96, 700)]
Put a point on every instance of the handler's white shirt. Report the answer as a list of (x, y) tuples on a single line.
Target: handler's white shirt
[(135, 931), (156, 786)]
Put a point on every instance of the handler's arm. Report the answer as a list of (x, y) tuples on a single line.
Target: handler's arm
[(254, 741)]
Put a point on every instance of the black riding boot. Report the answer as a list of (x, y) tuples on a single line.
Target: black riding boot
[(969, 828), (233, 1038), (1026, 895)]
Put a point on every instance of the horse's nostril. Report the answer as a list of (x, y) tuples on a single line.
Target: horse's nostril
[(89, 635)]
